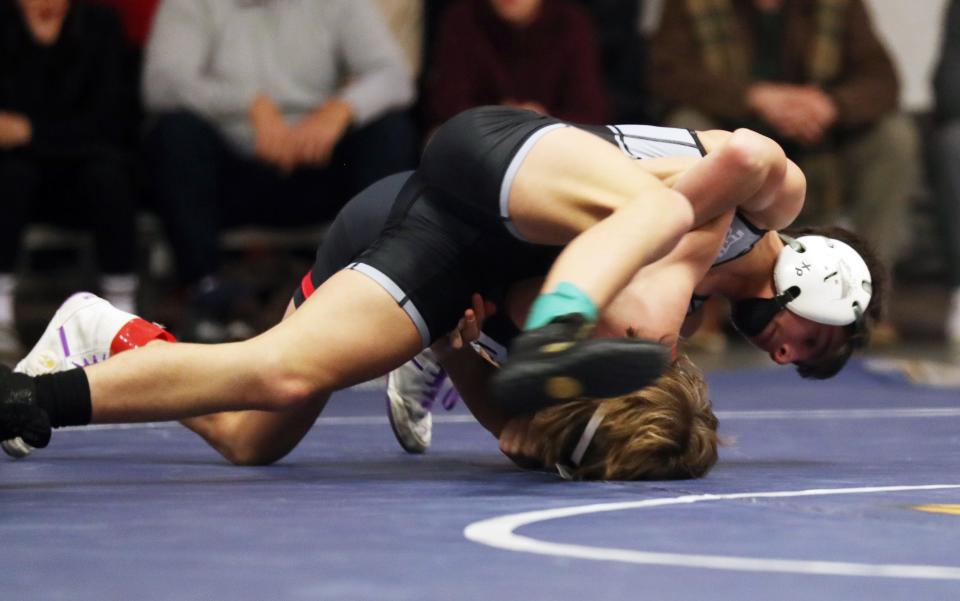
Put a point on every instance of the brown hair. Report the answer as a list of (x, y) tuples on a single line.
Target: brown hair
[(832, 361), (662, 432)]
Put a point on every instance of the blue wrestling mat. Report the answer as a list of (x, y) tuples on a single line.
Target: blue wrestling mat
[(846, 490)]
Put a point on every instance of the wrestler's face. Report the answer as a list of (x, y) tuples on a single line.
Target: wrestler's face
[(44, 18), (789, 338), (517, 12)]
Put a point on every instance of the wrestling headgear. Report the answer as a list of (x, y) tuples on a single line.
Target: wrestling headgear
[(821, 279)]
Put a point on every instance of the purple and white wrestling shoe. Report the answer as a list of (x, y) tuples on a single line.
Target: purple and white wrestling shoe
[(412, 391)]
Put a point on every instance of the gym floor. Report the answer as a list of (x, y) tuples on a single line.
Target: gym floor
[(847, 489)]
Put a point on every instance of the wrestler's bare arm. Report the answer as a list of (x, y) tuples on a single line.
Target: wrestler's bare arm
[(470, 371), (654, 304)]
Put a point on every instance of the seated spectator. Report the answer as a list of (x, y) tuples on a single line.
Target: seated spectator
[(63, 117), (814, 76), (536, 54), (405, 21), (137, 16), (946, 158), (268, 112)]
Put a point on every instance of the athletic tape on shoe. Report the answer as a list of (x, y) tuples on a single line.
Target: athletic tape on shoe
[(565, 299), (136, 333)]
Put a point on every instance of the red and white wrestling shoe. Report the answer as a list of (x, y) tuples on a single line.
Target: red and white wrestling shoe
[(86, 329)]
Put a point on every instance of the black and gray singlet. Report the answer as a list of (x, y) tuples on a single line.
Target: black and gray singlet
[(433, 237)]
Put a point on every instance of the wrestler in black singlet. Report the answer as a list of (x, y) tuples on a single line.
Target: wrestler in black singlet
[(433, 237)]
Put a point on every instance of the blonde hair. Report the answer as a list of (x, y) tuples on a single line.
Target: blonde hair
[(662, 432)]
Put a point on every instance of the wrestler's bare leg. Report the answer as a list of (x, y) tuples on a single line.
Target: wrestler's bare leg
[(258, 437), (348, 331)]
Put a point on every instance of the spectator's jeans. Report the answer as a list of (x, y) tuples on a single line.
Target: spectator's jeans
[(946, 171), (878, 171), (86, 190), (199, 184)]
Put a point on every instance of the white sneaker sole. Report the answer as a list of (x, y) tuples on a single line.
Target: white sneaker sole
[(16, 448), (411, 441)]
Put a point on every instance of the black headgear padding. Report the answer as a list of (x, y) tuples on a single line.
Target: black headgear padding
[(751, 315)]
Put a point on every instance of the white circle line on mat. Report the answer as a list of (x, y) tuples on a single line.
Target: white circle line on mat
[(761, 414), (500, 532)]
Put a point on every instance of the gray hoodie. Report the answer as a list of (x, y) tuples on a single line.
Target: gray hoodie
[(213, 57)]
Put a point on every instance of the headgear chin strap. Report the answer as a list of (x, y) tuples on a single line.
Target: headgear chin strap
[(586, 437), (750, 316), (818, 278)]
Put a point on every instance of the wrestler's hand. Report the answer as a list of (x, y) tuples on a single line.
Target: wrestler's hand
[(468, 328), (517, 443)]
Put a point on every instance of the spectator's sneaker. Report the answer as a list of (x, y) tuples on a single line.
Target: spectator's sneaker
[(85, 330), (559, 362), (412, 390)]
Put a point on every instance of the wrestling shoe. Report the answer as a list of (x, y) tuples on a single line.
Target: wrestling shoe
[(559, 362), (412, 390), (85, 330), (20, 416)]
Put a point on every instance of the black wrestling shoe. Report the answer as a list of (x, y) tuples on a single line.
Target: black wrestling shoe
[(20, 416), (559, 362)]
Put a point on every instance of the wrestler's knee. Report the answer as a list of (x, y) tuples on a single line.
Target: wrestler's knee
[(285, 383), (233, 438), (750, 154), (243, 453)]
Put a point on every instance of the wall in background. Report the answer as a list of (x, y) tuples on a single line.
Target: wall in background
[(912, 30)]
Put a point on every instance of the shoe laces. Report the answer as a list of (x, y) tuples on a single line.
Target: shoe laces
[(439, 387)]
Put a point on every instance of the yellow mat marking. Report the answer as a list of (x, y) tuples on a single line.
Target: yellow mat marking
[(948, 509)]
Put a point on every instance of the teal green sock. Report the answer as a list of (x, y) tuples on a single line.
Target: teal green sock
[(564, 300)]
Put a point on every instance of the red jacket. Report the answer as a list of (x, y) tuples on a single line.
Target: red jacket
[(479, 59)]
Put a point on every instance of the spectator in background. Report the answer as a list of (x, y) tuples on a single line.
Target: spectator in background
[(269, 112), (63, 118), (813, 75), (535, 54), (137, 15), (405, 20), (946, 158)]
